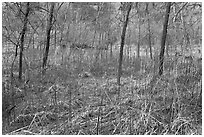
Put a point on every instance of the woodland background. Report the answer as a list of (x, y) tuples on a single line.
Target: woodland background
[(85, 68)]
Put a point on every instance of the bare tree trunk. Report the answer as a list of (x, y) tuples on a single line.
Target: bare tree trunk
[(22, 41), (122, 43), (150, 44), (149, 31), (177, 28), (138, 44), (49, 27), (55, 42), (163, 40), (99, 42)]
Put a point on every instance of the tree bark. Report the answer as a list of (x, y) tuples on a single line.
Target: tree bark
[(22, 40), (49, 27), (163, 39), (122, 43)]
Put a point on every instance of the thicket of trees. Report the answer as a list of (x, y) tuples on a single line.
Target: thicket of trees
[(86, 57)]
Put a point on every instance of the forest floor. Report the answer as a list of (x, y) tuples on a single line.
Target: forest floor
[(62, 103)]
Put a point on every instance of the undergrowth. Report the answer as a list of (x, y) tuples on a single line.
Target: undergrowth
[(64, 103)]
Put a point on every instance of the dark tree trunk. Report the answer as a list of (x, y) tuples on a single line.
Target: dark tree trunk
[(49, 27), (122, 43), (163, 40), (22, 41)]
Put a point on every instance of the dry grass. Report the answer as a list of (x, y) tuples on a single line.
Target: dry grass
[(147, 105)]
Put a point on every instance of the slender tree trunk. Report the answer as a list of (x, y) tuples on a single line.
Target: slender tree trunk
[(150, 44), (138, 44), (56, 37), (99, 42), (22, 41), (163, 40), (49, 27), (122, 44), (149, 31)]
